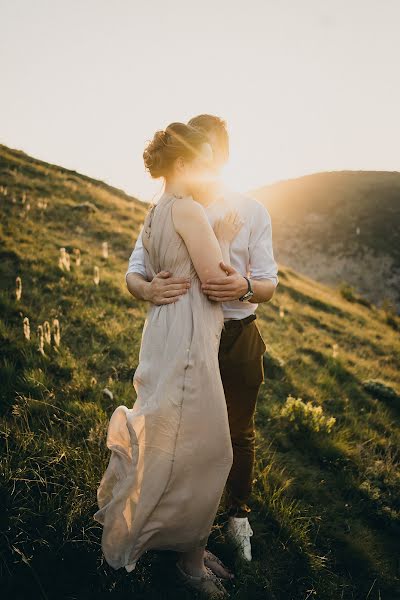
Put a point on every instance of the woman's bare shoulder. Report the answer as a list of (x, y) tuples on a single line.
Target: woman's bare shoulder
[(186, 210)]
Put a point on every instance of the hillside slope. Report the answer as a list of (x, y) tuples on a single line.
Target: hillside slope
[(340, 227), (326, 508)]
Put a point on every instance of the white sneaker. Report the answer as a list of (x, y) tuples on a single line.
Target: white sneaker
[(239, 531)]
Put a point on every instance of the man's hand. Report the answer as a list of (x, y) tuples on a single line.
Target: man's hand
[(227, 288), (162, 289), (233, 286), (165, 289)]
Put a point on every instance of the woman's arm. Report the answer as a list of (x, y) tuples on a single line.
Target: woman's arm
[(191, 222)]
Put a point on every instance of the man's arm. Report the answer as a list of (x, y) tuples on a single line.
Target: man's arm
[(162, 289), (235, 285), (136, 275), (263, 267)]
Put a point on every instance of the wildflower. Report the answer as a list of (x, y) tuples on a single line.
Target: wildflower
[(18, 290), (42, 204), (96, 277), (335, 350), (41, 339), (306, 416), (47, 332), (64, 260), (105, 249), (27, 329), (56, 332), (77, 254), (61, 259)]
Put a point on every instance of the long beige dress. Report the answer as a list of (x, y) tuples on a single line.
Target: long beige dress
[(171, 453)]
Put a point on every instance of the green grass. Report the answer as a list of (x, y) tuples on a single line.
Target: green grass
[(326, 506)]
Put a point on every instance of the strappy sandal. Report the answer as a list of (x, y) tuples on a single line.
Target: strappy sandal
[(209, 557), (209, 585)]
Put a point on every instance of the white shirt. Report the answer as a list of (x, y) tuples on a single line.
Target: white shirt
[(250, 252)]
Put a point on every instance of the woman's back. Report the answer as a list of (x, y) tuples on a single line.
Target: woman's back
[(165, 249), (172, 451)]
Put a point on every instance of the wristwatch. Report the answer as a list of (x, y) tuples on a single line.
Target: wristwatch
[(249, 292)]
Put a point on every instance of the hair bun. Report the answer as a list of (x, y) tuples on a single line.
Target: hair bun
[(161, 138), (178, 139), (153, 155)]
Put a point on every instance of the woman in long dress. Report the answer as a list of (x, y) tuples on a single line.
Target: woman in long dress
[(171, 453)]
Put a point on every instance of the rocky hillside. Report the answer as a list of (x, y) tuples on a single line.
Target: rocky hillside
[(340, 227)]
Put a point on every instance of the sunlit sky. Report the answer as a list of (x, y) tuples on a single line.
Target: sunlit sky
[(304, 86)]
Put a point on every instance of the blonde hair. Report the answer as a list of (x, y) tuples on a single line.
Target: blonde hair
[(178, 139)]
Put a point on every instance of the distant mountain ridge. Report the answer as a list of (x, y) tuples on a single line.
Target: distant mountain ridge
[(340, 226)]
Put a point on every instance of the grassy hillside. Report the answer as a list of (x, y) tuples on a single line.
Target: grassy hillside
[(326, 505), (340, 227)]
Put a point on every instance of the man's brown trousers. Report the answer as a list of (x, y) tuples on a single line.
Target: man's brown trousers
[(241, 364)]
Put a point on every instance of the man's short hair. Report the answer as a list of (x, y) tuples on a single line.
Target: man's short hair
[(216, 124)]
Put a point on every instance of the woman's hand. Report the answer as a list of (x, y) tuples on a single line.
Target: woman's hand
[(227, 227)]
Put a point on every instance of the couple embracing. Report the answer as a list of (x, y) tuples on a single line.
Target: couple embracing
[(203, 260)]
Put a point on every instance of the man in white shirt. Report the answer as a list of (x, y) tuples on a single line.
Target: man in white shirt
[(252, 279)]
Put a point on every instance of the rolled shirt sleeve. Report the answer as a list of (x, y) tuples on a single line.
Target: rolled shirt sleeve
[(261, 255), (136, 260)]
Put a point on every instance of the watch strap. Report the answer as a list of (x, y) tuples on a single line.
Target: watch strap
[(249, 292)]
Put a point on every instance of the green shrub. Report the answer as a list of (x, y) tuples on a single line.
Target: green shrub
[(305, 416)]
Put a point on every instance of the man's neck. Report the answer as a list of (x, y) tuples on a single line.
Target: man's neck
[(210, 193)]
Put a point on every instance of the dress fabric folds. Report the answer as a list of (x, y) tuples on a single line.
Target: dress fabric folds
[(171, 453)]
